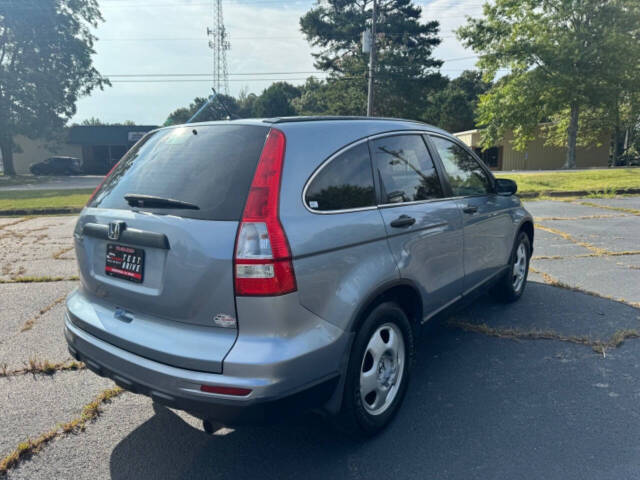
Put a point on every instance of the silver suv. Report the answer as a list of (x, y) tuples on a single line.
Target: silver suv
[(241, 270)]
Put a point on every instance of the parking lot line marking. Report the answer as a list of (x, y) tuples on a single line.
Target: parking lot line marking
[(28, 448)]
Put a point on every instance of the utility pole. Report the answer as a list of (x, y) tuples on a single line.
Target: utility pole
[(372, 60)]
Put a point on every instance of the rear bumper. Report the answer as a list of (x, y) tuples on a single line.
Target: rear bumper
[(289, 385)]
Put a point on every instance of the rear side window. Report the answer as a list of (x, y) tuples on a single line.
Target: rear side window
[(346, 182), (406, 170), (465, 174), (209, 166)]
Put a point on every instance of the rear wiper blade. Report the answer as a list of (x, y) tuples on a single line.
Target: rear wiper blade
[(151, 201)]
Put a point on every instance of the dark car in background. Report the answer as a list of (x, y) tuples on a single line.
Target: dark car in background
[(57, 166)]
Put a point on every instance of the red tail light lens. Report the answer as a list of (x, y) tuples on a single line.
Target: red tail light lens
[(262, 258)]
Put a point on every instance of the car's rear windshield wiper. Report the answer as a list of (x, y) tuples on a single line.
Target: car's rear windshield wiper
[(151, 201)]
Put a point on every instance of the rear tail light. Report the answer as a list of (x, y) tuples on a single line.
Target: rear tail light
[(102, 183), (262, 258)]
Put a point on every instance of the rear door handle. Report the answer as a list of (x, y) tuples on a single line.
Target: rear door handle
[(470, 209), (403, 221)]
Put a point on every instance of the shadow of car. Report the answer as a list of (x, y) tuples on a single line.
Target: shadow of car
[(480, 407), (57, 166)]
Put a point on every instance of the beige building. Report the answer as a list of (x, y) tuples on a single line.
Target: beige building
[(537, 156)]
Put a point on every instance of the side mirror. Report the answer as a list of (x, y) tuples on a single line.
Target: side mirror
[(506, 187)]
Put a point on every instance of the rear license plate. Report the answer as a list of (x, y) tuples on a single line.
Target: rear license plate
[(125, 262)]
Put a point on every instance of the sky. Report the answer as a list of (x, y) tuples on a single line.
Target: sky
[(168, 37)]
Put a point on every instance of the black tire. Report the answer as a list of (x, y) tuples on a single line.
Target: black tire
[(355, 417), (507, 290)]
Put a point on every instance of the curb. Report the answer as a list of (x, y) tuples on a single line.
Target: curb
[(39, 211)]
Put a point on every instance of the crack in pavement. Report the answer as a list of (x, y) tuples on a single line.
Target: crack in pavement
[(632, 211), (554, 282), (10, 224), (587, 255), (582, 217), (41, 367), (39, 279), (28, 325), (596, 250), (61, 252), (29, 448), (598, 346)]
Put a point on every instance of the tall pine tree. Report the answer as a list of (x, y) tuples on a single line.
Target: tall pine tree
[(406, 71)]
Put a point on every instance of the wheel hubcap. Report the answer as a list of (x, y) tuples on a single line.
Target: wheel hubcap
[(519, 267), (382, 369)]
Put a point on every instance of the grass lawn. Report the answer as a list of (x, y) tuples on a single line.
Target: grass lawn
[(600, 180), (605, 180), (43, 199)]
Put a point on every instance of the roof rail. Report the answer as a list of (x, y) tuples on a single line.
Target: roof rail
[(333, 118)]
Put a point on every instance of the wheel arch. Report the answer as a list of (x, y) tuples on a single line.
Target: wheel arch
[(403, 292), (527, 227)]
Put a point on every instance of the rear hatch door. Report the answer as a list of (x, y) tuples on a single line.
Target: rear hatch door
[(155, 245)]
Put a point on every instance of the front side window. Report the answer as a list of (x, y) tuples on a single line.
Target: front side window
[(405, 168), (465, 174), (345, 183)]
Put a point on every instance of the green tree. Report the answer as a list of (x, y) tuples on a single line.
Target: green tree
[(46, 49), (562, 58), (215, 110), (246, 102), (335, 96), (276, 101), (406, 70), (454, 107), (96, 122)]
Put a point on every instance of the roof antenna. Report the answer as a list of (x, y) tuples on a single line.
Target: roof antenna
[(209, 101), (217, 97)]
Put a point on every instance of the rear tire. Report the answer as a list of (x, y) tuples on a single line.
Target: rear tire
[(511, 286), (378, 372)]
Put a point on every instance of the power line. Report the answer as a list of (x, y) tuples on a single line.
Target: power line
[(197, 80), (206, 74), (320, 72), (129, 3), (231, 38)]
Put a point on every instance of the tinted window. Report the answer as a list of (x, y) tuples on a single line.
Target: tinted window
[(406, 170), (209, 166), (346, 182), (465, 174)]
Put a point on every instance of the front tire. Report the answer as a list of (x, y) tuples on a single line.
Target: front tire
[(378, 371), (511, 287)]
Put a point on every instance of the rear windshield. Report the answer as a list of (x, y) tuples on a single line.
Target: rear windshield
[(208, 166)]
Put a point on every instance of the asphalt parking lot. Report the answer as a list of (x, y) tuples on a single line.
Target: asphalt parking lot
[(548, 387)]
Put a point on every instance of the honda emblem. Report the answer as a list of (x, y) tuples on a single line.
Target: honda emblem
[(115, 230)]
